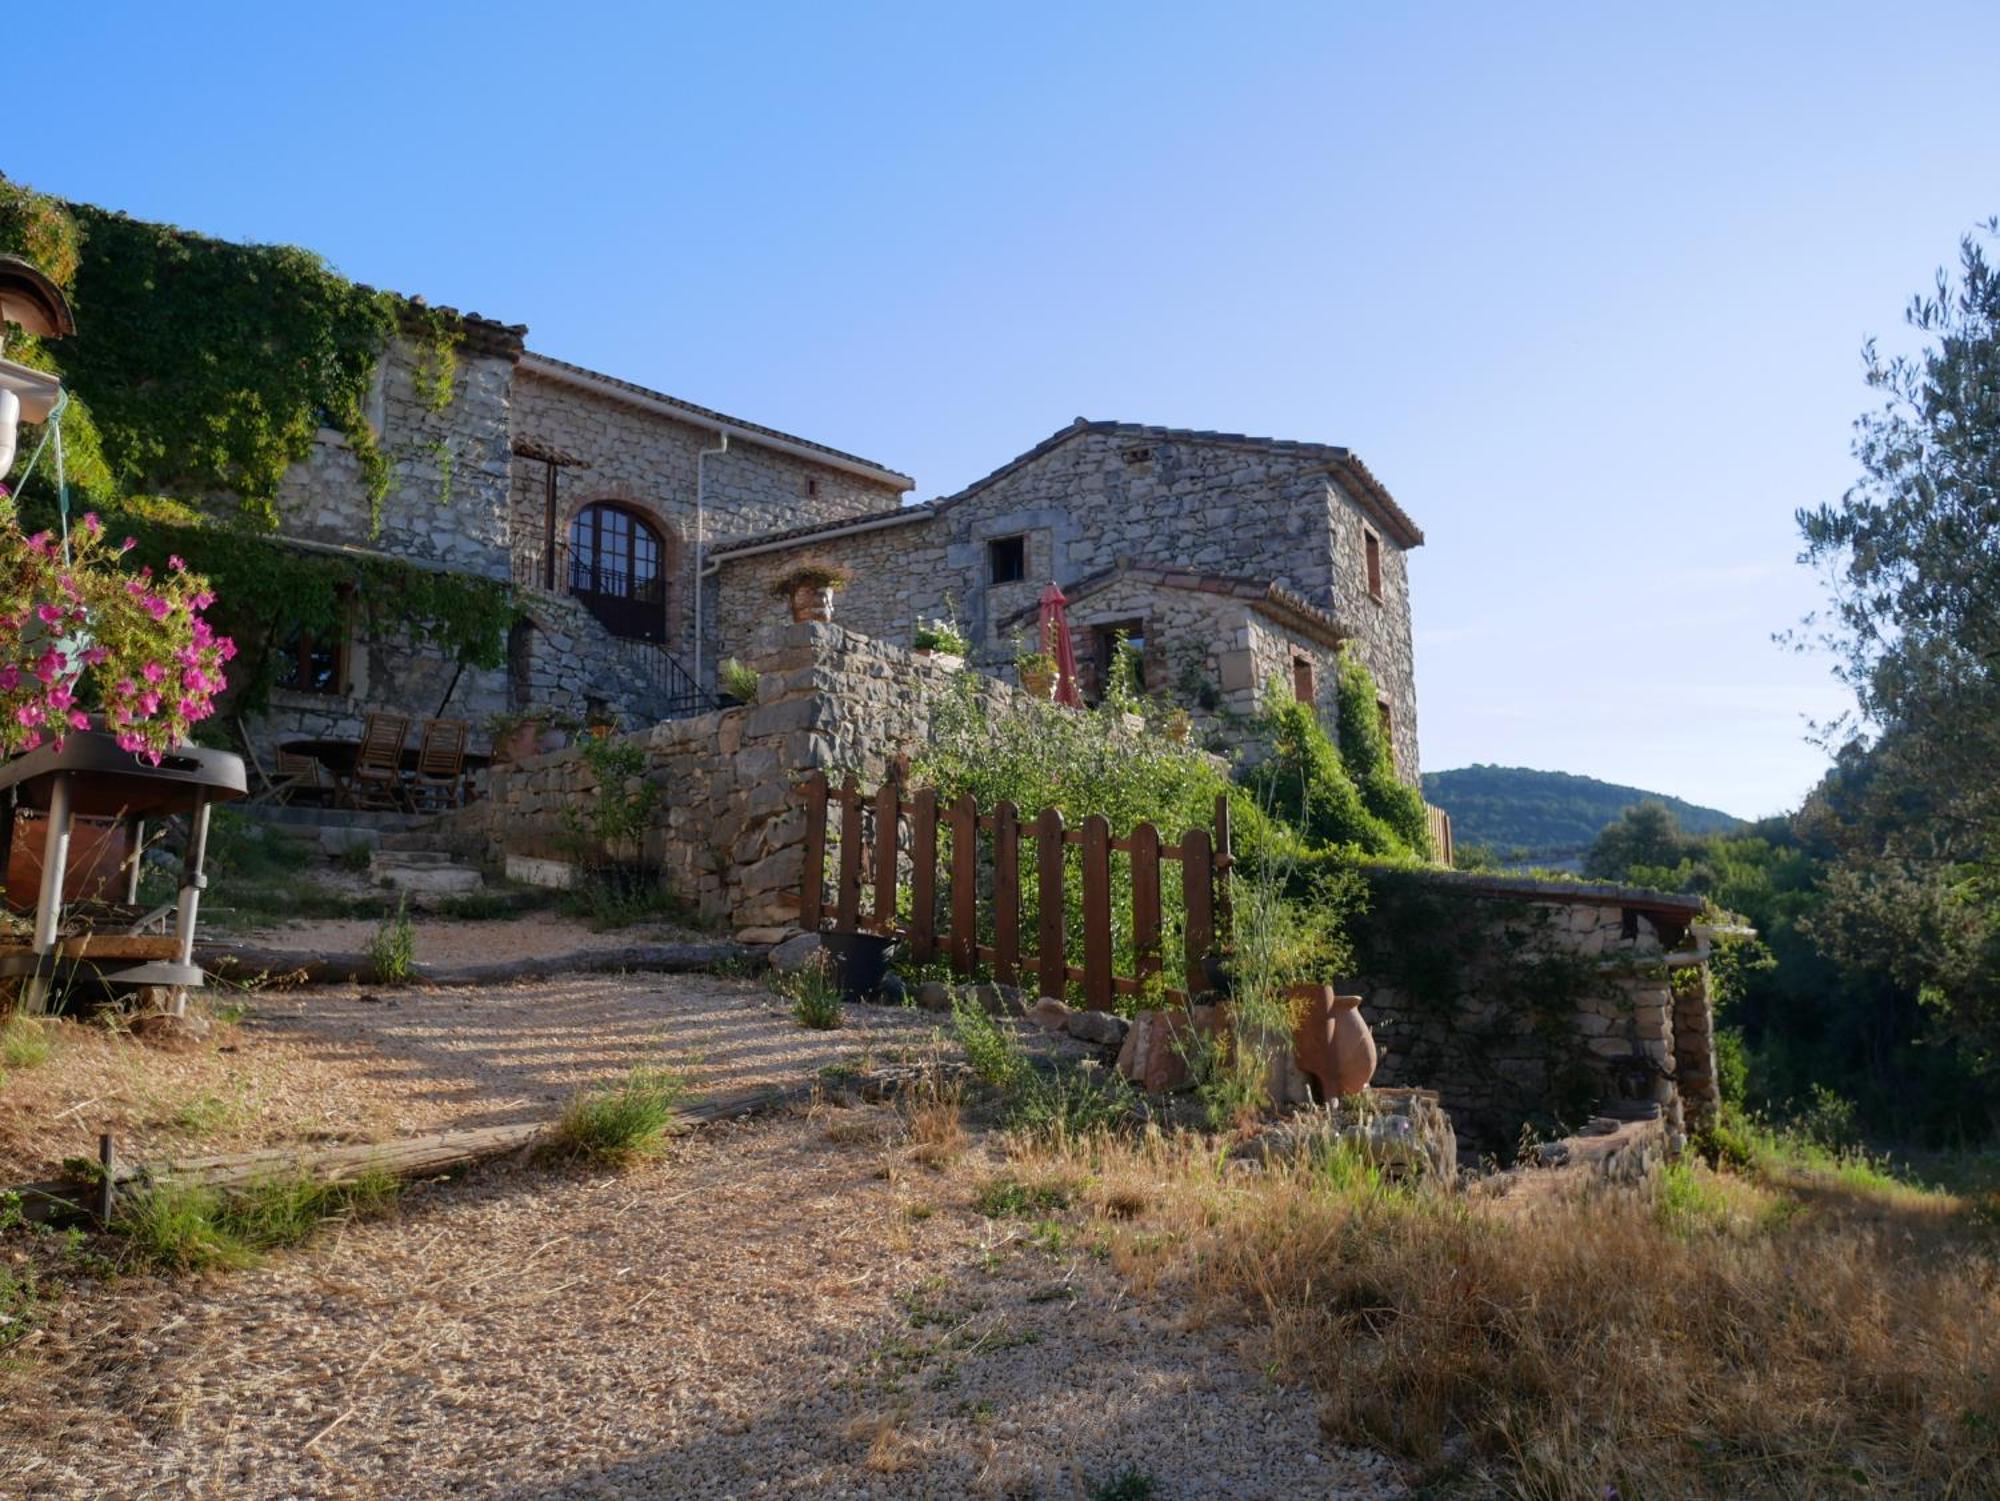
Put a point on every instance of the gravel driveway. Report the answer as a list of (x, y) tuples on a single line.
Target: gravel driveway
[(790, 1307)]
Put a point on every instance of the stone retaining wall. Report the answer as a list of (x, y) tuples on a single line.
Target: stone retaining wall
[(1530, 1003), (729, 834)]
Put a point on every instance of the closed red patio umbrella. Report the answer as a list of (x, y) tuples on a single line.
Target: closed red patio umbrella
[(1056, 642)]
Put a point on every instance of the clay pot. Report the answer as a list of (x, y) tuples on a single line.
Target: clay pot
[(1179, 726), (1038, 684), (1332, 1042), (811, 602)]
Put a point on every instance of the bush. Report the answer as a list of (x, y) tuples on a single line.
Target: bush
[(24, 1042), (617, 895), (620, 1124)]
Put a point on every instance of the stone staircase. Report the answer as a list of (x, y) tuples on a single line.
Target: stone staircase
[(427, 859)]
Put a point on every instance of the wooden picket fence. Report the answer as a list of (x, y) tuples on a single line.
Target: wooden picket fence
[(888, 837)]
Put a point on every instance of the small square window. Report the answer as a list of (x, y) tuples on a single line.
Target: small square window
[(1302, 679), (1374, 546), (311, 664), (1007, 560)]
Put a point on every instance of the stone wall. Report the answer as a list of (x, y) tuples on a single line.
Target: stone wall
[(1083, 506), (729, 834), (449, 471), (1529, 1003)]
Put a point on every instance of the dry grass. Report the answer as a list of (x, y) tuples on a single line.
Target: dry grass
[(1715, 1336), (933, 1112)]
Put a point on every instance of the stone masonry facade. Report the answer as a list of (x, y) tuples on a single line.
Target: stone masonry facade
[(1099, 497)]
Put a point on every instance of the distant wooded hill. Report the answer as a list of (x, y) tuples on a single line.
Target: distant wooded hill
[(1547, 817)]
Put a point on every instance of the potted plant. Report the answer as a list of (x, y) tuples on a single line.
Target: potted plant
[(738, 683), (1037, 671), (943, 642), (1179, 725), (531, 732), (809, 587)]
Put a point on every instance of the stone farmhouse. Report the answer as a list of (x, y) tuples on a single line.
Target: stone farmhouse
[(643, 533)]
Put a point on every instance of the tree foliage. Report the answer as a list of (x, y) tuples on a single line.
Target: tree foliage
[(1911, 554)]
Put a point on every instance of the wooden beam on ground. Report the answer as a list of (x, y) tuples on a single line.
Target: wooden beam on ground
[(310, 967)]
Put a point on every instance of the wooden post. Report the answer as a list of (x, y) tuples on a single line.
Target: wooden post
[(1198, 889), (107, 1185), (888, 810), (1097, 987), (964, 885), (847, 909), (812, 883), (1006, 894), (1146, 936), (1054, 964), (1225, 864), (923, 875)]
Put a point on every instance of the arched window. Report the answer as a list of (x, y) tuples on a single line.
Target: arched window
[(618, 567)]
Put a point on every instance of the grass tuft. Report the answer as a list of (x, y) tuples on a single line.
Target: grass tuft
[(392, 952), (623, 1123), (186, 1227), (814, 989), (25, 1042)]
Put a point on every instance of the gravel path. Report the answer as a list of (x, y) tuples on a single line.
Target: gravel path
[(347, 1063), (790, 1307), (445, 941)]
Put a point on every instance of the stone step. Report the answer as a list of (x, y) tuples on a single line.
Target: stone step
[(424, 873)]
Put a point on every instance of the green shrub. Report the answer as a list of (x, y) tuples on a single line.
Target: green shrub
[(1371, 760), (616, 895), (1128, 1484), (1009, 1198), (392, 952), (623, 1123)]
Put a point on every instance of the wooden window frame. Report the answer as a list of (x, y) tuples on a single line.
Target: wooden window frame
[(1371, 548), (300, 651), (1304, 679)]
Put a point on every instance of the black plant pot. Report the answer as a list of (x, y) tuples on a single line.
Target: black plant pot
[(1215, 968), (859, 960)]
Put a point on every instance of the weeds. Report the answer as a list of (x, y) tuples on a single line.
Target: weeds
[(189, 1227), (618, 896), (392, 952), (989, 1044), (932, 1113), (1010, 1198), (1065, 1103), (24, 1042), (814, 990), (623, 1123)]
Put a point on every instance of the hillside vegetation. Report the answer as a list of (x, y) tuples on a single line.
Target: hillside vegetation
[(1547, 817)]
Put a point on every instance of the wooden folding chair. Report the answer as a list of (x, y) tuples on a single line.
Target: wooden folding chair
[(378, 762), (299, 777), (440, 779)]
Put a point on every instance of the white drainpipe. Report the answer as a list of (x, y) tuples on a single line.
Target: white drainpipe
[(701, 537)]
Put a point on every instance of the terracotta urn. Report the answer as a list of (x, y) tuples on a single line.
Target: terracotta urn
[(1332, 1042), (1180, 724), (811, 602), (1037, 683)]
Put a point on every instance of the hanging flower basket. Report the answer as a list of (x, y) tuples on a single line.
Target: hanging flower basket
[(80, 634)]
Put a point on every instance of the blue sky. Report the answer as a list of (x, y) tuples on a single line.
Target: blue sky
[(1585, 285)]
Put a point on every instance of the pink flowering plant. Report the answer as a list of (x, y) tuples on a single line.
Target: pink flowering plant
[(86, 633)]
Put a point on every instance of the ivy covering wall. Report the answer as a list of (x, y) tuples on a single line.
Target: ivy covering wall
[(202, 370)]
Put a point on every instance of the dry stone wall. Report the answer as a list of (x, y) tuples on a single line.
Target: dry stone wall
[(1522, 1003), (729, 833)]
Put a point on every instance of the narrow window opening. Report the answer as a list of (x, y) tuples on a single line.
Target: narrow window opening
[(1374, 546), (1007, 560), (1302, 679), (812, 487), (1388, 718)]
